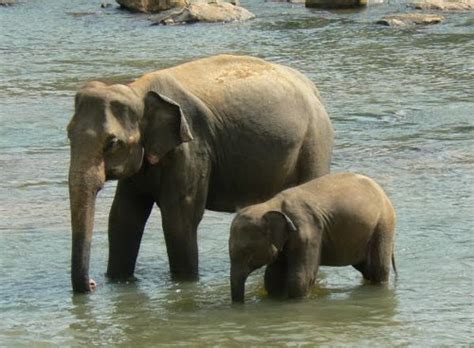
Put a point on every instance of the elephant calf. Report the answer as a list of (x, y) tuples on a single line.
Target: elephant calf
[(335, 220)]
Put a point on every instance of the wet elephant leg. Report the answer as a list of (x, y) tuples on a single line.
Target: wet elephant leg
[(380, 255), (182, 202), (129, 213), (275, 279)]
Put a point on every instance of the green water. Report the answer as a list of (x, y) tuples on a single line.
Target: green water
[(402, 105)]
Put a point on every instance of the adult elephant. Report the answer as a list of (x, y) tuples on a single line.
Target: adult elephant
[(217, 133)]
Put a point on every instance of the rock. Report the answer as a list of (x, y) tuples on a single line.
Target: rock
[(444, 5), (406, 19), (150, 6), (7, 2), (290, 1), (203, 12), (335, 3), (105, 4)]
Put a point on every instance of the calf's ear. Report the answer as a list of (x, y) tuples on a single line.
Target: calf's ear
[(278, 226)]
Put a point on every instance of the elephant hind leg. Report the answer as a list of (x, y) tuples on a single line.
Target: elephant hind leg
[(379, 256), (361, 267), (314, 159)]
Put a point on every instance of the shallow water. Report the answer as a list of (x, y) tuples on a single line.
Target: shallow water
[(401, 101)]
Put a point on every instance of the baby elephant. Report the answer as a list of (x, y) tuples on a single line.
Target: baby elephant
[(335, 220)]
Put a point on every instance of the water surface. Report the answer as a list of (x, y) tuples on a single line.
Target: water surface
[(401, 101)]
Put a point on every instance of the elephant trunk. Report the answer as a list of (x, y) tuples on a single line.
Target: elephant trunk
[(83, 188), (237, 280)]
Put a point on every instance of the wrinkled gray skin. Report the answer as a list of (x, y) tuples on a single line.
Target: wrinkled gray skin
[(217, 133), (336, 220)]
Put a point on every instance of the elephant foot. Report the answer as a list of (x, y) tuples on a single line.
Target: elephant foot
[(92, 285), (84, 286), (121, 278), (184, 276)]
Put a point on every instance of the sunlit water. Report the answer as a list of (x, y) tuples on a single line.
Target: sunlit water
[(402, 104)]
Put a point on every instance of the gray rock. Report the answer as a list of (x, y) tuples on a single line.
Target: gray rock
[(335, 3), (203, 12), (290, 1), (150, 6), (444, 5), (7, 2), (407, 19)]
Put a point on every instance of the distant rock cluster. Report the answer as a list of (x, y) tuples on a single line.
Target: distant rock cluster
[(172, 12), (189, 11), (421, 18)]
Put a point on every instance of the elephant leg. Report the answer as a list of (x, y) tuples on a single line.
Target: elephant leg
[(303, 261), (275, 278), (182, 202), (361, 267), (379, 256), (314, 158), (180, 222), (128, 215)]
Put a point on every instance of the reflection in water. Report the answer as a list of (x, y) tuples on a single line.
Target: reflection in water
[(132, 316)]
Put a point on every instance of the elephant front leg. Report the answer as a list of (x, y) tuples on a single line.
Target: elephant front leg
[(182, 202), (180, 230), (303, 259), (275, 278), (180, 218), (129, 213)]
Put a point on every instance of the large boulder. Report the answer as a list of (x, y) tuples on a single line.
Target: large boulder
[(335, 3), (203, 12), (444, 5), (408, 19), (150, 6)]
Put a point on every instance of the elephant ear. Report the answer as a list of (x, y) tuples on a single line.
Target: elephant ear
[(166, 126), (278, 226)]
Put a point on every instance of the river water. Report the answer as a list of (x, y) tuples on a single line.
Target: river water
[(401, 101)]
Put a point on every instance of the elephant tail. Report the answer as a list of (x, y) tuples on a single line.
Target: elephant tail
[(394, 266)]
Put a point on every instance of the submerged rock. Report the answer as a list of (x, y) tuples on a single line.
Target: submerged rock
[(335, 3), (406, 19), (150, 6), (444, 5), (203, 12)]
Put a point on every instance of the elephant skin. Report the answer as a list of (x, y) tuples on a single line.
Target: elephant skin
[(336, 220), (217, 133)]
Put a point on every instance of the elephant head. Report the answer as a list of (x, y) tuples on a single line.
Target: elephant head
[(106, 136), (255, 240)]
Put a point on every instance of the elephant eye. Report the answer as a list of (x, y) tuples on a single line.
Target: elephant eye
[(112, 144)]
